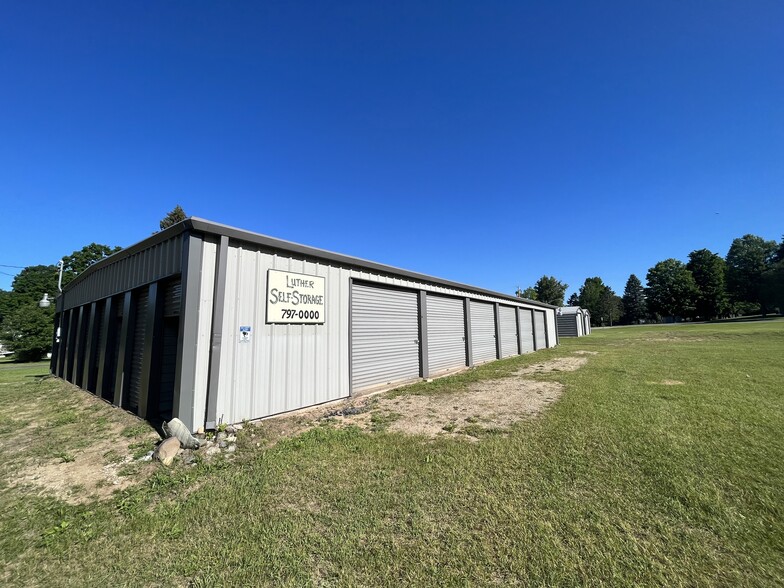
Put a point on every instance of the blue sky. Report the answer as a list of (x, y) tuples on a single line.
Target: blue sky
[(485, 142)]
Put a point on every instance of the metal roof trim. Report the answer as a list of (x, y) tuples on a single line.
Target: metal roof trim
[(209, 227)]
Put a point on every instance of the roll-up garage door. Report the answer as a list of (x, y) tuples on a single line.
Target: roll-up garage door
[(539, 330), (526, 329), (137, 356), (171, 325), (446, 348), (384, 336), (506, 314), (98, 343), (482, 331)]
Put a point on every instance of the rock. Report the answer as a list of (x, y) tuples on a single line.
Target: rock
[(212, 450), (200, 431), (231, 449), (231, 439), (231, 430), (221, 435), (147, 457), (167, 450), (176, 428), (223, 444), (238, 427)]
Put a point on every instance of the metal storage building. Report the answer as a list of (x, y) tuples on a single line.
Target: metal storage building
[(572, 321), (214, 324)]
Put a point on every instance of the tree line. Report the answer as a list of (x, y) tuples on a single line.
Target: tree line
[(26, 328), (748, 280)]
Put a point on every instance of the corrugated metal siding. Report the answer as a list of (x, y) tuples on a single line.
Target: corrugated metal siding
[(482, 331), (154, 263), (526, 329), (539, 327), (580, 320), (283, 367), (137, 354), (567, 325), (172, 296), (98, 344), (506, 316), (550, 339), (384, 336), (204, 330), (446, 346)]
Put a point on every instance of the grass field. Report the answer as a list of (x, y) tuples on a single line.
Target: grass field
[(660, 464)]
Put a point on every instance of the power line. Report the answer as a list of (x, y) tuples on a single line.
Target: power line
[(13, 266), (7, 274)]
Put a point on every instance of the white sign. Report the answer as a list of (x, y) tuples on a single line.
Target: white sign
[(294, 298), (244, 334)]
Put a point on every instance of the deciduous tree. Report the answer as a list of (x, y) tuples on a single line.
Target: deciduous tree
[(550, 290), (529, 293), (748, 257), (671, 289), (80, 260)]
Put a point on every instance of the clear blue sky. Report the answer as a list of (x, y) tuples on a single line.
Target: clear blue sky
[(484, 142)]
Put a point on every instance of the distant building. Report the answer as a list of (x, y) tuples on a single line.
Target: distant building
[(573, 321)]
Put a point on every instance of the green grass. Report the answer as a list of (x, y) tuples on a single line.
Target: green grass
[(625, 480)]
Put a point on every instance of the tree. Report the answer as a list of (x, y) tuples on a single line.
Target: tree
[(574, 300), (27, 331), (550, 291), (671, 289), (80, 260), (635, 309), (529, 293), (773, 281), (590, 297), (610, 306), (708, 270), (747, 259), (176, 215)]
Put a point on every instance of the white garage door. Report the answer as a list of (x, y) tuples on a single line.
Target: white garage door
[(384, 336), (446, 347), (539, 330), (482, 331), (506, 315)]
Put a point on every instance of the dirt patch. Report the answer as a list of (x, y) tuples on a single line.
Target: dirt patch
[(666, 383), (584, 352), (674, 339), (489, 406), (83, 475), (559, 364)]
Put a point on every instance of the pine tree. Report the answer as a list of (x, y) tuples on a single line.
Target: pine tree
[(635, 309), (176, 215)]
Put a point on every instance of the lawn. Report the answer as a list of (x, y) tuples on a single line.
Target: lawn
[(660, 464)]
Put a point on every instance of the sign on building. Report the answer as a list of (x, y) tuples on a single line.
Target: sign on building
[(294, 298)]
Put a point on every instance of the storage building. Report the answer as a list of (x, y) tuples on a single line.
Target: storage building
[(573, 321), (213, 324)]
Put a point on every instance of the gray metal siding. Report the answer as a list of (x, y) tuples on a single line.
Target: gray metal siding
[(526, 330), (506, 316), (539, 330), (482, 331), (158, 261), (137, 353), (384, 336), (445, 333), (567, 325)]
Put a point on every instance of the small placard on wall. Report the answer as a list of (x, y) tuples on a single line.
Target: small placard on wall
[(295, 298), (245, 334)]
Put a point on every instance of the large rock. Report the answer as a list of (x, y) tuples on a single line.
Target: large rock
[(176, 428), (167, 450)]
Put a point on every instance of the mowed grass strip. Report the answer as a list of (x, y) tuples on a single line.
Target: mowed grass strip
[(659, 465)]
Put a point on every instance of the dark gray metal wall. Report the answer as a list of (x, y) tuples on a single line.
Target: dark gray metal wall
[(384, 336), (445, 333), (567, 324)]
